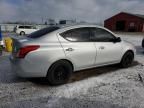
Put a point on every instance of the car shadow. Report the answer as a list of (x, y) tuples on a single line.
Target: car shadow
[(81, 75), (84, 74), (6, 73), (139, 50)]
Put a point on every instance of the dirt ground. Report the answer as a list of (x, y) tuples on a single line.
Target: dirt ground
[(105, 87)]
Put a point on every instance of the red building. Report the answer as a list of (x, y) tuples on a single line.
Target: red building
[(126, 22)]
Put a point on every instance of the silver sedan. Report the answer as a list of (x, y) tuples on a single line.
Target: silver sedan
[(56, 52)]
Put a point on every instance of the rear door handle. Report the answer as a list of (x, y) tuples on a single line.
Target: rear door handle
[(69, 49)]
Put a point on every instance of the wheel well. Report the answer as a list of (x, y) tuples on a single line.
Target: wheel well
[(22, 32), (63, 60), (69, 63), (126, 52), (130, 51)]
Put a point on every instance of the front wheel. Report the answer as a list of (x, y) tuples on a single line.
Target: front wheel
[(127, 59), (59, 73)]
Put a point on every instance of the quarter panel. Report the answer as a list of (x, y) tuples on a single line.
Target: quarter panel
[(41, 59)]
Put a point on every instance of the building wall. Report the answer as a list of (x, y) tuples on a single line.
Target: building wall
[(111, 22), (142, 27)]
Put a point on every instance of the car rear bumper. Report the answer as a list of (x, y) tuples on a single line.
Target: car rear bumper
[(24, 69)]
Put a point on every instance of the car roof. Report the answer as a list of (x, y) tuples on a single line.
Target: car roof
[(63, 28), (79, 25)]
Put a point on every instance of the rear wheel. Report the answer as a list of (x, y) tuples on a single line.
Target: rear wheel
[(59, 72), (127, 59), (22, 33)]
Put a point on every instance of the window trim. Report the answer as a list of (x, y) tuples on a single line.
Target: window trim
[(95, 27)]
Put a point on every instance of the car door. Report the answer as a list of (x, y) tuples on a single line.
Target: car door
[(108, 51), (29, 29), (78, 48)]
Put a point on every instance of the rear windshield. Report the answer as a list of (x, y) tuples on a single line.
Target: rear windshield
[(42, 32)]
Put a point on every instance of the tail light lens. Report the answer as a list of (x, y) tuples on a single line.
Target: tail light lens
[(25, 50)]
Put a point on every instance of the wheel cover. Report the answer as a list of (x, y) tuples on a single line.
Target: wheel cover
[(128, 60), (60, 73)]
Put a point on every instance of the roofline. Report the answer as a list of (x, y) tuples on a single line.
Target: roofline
[(113, 16), (133, 15), (81, 26), (124, 13)]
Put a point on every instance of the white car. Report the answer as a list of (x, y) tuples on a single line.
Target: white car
[(25, 29), (56, 52)]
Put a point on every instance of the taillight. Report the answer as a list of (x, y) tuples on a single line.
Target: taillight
[(25, 50)]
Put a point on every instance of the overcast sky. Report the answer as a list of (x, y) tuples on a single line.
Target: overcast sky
[(85, 10)]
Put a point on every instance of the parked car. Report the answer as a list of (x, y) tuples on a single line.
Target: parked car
[(25, 29), (55, 53), (143, 43)]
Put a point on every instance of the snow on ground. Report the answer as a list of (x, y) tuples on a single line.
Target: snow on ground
[(105, 87)]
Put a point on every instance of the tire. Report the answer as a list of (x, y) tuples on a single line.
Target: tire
[(127, 59), (59, 73), (143, 43), (22, 33)]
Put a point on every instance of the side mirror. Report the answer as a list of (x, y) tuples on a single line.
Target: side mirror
[(118, 39)]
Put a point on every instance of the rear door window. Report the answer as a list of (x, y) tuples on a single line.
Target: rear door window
[(42, 32), (77, 35)]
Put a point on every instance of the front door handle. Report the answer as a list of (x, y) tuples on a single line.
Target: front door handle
[(69, 49)]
